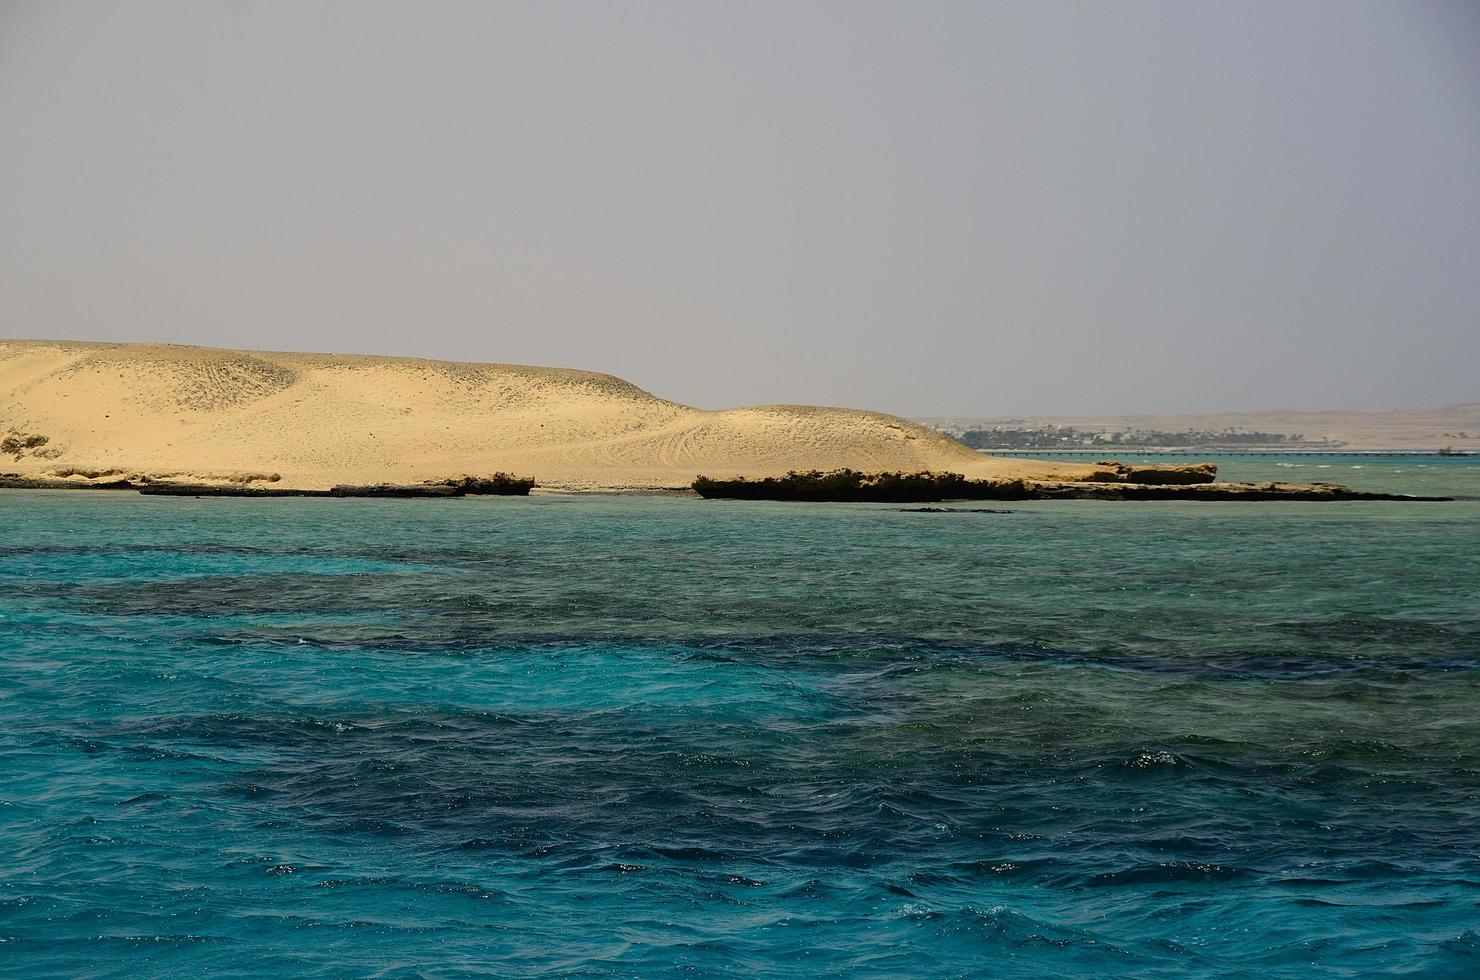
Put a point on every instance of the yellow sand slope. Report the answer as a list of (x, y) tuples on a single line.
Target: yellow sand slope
[(324, 419)]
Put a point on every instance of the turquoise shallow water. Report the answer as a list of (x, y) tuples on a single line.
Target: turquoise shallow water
[(636, 736)]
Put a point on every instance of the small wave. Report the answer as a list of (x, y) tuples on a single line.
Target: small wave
[(1157, 760)]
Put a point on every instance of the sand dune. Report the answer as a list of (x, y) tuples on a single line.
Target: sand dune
[(316, 420)]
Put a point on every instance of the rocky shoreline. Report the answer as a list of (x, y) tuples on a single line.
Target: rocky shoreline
[(1214, 491), (500, 484), (838, 487), (1115, 482)]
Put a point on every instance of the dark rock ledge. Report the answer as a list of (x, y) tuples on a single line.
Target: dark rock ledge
[(1182, 483), (499, 484)]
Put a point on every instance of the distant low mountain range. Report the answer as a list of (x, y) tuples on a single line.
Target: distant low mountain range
[(1453, 426)]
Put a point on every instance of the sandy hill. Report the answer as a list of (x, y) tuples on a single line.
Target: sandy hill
[(321, 419)]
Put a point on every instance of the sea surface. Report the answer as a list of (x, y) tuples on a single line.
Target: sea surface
[(597, 736)]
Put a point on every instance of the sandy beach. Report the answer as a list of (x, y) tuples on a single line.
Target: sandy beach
[(94, 411)]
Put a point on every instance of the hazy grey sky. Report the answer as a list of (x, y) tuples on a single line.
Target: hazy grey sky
[(926, 208)]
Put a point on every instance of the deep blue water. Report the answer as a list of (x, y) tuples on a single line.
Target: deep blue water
[(636, 736)]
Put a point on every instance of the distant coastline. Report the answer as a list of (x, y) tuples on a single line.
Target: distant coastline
[(1451, 427), (1182, 451)]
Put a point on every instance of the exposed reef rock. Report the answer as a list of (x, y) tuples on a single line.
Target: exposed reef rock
[(1155, 475), (374, 490), (853, 486), (499, 484), (954, 510), (18, 481), (1213, 491)]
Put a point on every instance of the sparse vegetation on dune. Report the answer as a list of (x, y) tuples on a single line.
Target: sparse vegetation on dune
[(498, 485)]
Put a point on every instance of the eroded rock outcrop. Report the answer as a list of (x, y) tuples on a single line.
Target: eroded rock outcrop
[(853, 486), (244, 485), (1169, 474)]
